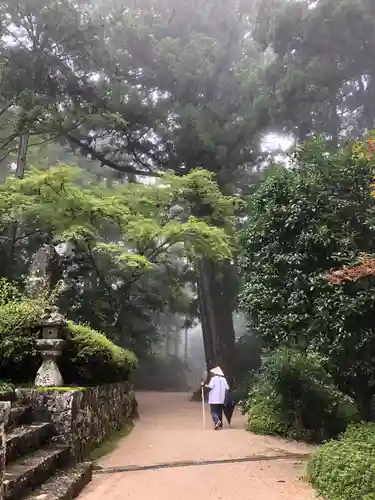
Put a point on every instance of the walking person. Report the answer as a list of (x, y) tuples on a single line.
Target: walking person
[(219, 388)]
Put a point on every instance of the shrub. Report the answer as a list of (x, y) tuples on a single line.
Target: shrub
[(264, 414), (243, 389), (6, 388), (89, 357), (345, 469), (18, 353), (294, 397)]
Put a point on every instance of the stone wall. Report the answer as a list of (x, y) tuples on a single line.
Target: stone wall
[(4, 414), (84, 417)]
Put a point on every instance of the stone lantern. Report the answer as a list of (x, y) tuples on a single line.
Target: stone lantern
[(50, 345)]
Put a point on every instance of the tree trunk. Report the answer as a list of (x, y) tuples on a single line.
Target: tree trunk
[(176, 343), (370, 105), (334, 121), (216, 303), (167, 345), (41, 271), (22, 153), (7, 270), (186, 346)]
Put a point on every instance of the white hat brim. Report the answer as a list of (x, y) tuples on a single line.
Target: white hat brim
[(217, 371)]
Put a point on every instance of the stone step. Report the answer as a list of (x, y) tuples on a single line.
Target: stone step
[(65, 484), (18, 415), (26, 438), (33, 470)]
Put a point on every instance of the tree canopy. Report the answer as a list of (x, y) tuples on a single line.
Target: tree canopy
[(129, 92), (117, 239), (321, 80)]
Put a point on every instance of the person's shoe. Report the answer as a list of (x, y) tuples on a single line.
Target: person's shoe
[(218, 425)]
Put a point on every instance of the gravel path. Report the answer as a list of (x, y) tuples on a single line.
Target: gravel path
[(169, 431)]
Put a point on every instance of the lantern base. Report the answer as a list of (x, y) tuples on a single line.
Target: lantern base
[(48, 375)]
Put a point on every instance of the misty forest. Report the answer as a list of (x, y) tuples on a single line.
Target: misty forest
[(191, 184)]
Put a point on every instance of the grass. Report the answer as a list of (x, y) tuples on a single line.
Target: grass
[(111, 441)]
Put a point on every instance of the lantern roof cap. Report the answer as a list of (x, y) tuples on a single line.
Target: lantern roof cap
[(52, 317)]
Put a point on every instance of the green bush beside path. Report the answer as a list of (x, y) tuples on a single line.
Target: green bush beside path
[(345, 469)]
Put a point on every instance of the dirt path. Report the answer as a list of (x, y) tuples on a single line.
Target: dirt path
[(241, 466)]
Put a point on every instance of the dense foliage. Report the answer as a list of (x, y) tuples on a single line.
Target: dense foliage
[(88, 356), (345, 469), (18, 317), (128, 247), (292, 396), (321, 79), (149, 220), (302, 222)]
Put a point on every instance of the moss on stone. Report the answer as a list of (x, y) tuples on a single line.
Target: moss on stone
[(60, 389)]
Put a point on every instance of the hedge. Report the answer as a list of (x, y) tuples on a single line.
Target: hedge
[(294, 397), (88, 357), (345, 469)]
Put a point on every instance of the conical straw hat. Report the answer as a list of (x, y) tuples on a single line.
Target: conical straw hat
[(217, 371)]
